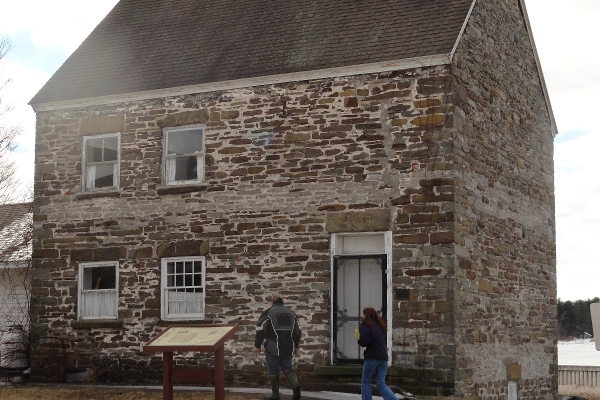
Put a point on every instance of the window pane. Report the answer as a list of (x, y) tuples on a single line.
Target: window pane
[(185, 142), (170, 268), (105, 176), (94, 150), (197, 267), (111, 149), (186, 168), (95, 278)]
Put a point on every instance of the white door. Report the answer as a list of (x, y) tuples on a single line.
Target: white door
[(359, 282)]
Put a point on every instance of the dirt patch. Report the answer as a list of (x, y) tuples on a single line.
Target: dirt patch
[(54, 393)]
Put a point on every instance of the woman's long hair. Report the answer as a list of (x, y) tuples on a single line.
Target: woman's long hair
[(370, 316)]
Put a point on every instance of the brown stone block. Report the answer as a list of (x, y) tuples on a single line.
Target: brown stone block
[(45, 253), (351, 101), (436, 182), (513, 371), (152, 304), (109, 254), (429, 120), (359, 221), (125, 314), (232, 150), (425, 103), (418, 238), (185, 118), (332, 207), (150, 313), (230, 114), (431, 218), (183, 248), (403, 219), (485, 286), (442, 307), (429, 198), (253, 270), (145, 252), (423, 272), (296, 258), (296, 137), (389, 95), (399, 121), (441, 237), (112, 124)]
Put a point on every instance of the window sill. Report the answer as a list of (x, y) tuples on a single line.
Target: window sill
[(97, 323), (94, 195), (165, 323), (179, 189)]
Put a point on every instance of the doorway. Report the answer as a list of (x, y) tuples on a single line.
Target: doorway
[(360, 278)]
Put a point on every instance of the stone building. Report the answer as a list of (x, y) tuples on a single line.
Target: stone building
[(193, 156)]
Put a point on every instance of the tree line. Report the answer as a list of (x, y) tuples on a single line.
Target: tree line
[(574, 318)]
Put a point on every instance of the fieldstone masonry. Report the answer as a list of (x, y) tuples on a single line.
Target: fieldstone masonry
[(454, 160)]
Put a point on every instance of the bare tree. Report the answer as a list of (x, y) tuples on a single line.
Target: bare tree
[(9, 187), (15, 243)]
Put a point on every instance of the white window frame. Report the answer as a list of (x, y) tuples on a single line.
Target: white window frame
[(168, 172), (337, 249), (116, 163), (83, 294), (164, 290)]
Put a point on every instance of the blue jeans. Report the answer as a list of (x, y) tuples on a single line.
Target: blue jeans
[(274, 362), (379, 369)]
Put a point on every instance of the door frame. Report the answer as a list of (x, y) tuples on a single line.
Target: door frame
[(335, 238)]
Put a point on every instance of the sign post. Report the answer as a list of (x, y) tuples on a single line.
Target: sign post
[(595, 311), (181, 338)]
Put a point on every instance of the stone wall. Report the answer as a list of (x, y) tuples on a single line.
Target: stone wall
[(286, 165), (505, 228)]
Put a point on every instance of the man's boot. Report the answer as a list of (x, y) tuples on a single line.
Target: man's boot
[(293, 380), (274, 387)]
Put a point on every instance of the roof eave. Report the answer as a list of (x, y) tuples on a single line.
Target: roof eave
[(379, 67), (539, 69), (538, 65)]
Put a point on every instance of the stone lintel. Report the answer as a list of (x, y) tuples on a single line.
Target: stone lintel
[(359, 221), (98, 125), (185, 118)]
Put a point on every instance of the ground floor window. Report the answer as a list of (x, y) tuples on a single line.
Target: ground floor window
[(361, 277), (182, 288), (98, 290)]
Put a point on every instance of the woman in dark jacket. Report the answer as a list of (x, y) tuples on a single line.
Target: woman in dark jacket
[(372, 331)]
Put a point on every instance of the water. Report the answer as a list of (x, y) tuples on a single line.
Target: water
[(581, 353)]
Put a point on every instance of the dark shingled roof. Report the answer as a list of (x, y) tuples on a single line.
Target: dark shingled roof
[(157, 44)]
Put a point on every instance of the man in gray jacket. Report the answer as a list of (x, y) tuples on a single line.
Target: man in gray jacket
[(278, 329)]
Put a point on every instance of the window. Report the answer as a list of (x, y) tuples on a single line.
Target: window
[(101, 162), (182, 288), (184, 154), (98, 294)]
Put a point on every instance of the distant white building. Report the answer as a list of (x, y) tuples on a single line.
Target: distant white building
[(15, 263)]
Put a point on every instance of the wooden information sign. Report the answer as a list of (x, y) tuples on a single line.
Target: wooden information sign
[(205, 338)]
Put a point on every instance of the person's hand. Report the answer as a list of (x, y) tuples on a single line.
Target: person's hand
[(257, 349)]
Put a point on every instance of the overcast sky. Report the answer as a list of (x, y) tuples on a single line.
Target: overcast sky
[(567, 37)]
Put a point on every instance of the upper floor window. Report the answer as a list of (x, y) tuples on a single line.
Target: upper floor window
[(101, 161), (184, 154), (98, 290), (182, 285)]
